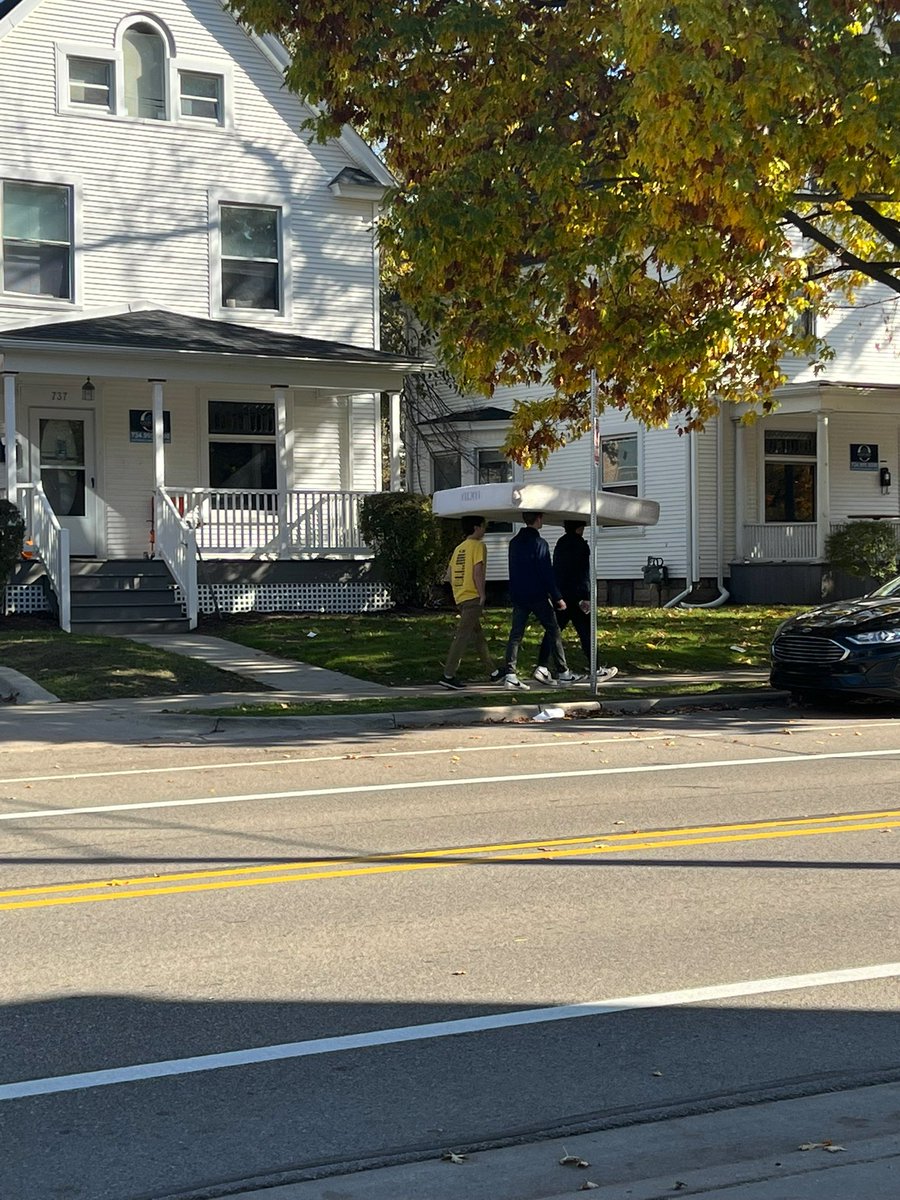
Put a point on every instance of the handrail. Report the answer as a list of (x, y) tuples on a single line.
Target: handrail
[(176, 542), (51, 544)]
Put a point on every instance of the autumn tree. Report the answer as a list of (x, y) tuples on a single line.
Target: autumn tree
[(655, 191)]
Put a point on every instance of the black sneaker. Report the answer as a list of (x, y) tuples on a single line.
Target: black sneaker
[(497, 674), (451, 682)]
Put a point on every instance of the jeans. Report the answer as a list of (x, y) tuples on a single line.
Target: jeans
[(551, 646), (581, 621)]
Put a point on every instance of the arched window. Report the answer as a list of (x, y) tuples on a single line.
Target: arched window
[(144, 54)]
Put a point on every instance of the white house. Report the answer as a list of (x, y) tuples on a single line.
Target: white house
[(189, 317), (744, 508)]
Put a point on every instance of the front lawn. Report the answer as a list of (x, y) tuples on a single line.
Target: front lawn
[(409, 649), (88, 667)]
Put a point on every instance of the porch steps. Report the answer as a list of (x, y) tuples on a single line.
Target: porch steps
[(124, 596)]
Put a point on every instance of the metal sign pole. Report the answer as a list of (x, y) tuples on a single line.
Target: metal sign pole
[(595, 467)]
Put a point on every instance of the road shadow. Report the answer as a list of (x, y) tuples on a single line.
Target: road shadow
[(214, 1131)]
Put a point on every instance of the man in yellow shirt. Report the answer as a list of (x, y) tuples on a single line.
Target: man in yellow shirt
[(467, 575)]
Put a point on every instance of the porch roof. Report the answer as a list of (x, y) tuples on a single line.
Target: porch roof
[(180, 344)]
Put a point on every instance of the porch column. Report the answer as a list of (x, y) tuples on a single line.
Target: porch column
[(823, 485), (283, 454), (9, 423), (159, 440), (394, 434), (740, 492)]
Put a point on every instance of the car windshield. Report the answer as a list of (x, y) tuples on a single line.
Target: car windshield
[(891, 588)]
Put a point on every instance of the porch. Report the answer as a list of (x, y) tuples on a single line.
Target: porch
[(796, 542)]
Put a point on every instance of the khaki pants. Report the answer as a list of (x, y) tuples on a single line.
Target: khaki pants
[(469, 628)]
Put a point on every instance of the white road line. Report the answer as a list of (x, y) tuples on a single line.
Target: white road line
[(417, 1033), (423, 784), (489, 748)]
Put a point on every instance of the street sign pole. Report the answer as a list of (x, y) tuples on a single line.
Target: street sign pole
[(595, 468)]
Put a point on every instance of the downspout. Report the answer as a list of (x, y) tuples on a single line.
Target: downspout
[(723, 595), (689, 525)]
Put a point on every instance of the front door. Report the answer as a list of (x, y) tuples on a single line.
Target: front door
[(63, 460)]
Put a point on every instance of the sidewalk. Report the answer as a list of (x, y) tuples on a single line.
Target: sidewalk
[(747, 1153)]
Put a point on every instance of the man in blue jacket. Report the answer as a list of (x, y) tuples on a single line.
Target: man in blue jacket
[(533, 591)]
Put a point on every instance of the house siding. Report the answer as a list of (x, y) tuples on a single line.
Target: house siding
[(143, 188)]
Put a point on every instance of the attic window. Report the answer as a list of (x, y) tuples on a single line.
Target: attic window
[(90, 82), (144, 59), (201, 95)]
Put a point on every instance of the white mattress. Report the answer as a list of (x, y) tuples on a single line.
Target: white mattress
[(507, 502)]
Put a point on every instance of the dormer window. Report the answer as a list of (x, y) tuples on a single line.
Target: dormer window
[(144, 63)]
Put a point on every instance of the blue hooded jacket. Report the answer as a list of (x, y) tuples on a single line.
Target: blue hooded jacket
[(531, 578)]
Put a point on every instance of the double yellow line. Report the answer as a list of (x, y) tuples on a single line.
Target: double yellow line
[(428, 860)]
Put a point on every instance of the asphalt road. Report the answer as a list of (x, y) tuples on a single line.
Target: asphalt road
[(231, 962)]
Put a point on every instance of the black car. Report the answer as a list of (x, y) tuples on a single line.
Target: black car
[(850, 648)]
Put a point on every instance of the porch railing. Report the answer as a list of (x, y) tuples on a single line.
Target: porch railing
[(176, 543), (51, 545), (784, 542), (267, 523)]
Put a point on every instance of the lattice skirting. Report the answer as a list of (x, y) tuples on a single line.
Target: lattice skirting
[(294, 597), (26, 598)]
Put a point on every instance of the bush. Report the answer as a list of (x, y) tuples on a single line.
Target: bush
[(866, 549), (412, 546), (12, 538)]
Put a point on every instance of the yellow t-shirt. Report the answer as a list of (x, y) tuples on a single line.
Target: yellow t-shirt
[(462, 568)]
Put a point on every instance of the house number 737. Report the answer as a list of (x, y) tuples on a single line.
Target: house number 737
[(58, 397)]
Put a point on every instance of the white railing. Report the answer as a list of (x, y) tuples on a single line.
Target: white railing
[(265, 522), (784, 542), (51, 545), (176, 544)]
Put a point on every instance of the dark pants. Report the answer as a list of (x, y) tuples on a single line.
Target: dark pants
[(580, 620), (551, 647)]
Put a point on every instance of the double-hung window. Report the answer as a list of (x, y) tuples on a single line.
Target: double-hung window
[(252, 270), (619, 464), (790, 475), (494, 467), (91, 82), (201, 95), (36, 229)]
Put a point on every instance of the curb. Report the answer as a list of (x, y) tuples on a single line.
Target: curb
[(521, 714)]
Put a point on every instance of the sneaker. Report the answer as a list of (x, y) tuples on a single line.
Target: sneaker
[(567, 677), (604, 674), (496, 676), (513, 681), (452, 682), (542, 675)]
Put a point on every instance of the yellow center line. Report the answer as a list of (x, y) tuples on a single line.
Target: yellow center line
[(400, 867), (490, 848)]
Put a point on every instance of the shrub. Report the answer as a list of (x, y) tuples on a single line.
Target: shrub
[(12, 538), (866, 549), (412, 546)]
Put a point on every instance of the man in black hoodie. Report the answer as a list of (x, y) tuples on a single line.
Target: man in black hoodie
[(532, 587), (572, 568)]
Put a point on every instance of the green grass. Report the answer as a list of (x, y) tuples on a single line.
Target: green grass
[(86, 667), (497, 697), (409, 649)]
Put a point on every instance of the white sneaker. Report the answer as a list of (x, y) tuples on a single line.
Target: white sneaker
[(542, 675), (567, 677), (513, 681), (605, 674)]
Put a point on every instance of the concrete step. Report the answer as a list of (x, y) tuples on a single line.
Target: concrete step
[(113, 567), (125, 612), (112, 627)]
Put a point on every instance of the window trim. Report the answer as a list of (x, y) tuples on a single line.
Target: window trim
[(785, 459), (51, 179), (216, 198), (197, 66), (64, 51)]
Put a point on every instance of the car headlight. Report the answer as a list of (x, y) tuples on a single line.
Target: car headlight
[(875, 637)]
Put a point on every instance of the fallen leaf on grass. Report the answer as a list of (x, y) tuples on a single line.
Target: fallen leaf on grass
[(450, 1157)]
